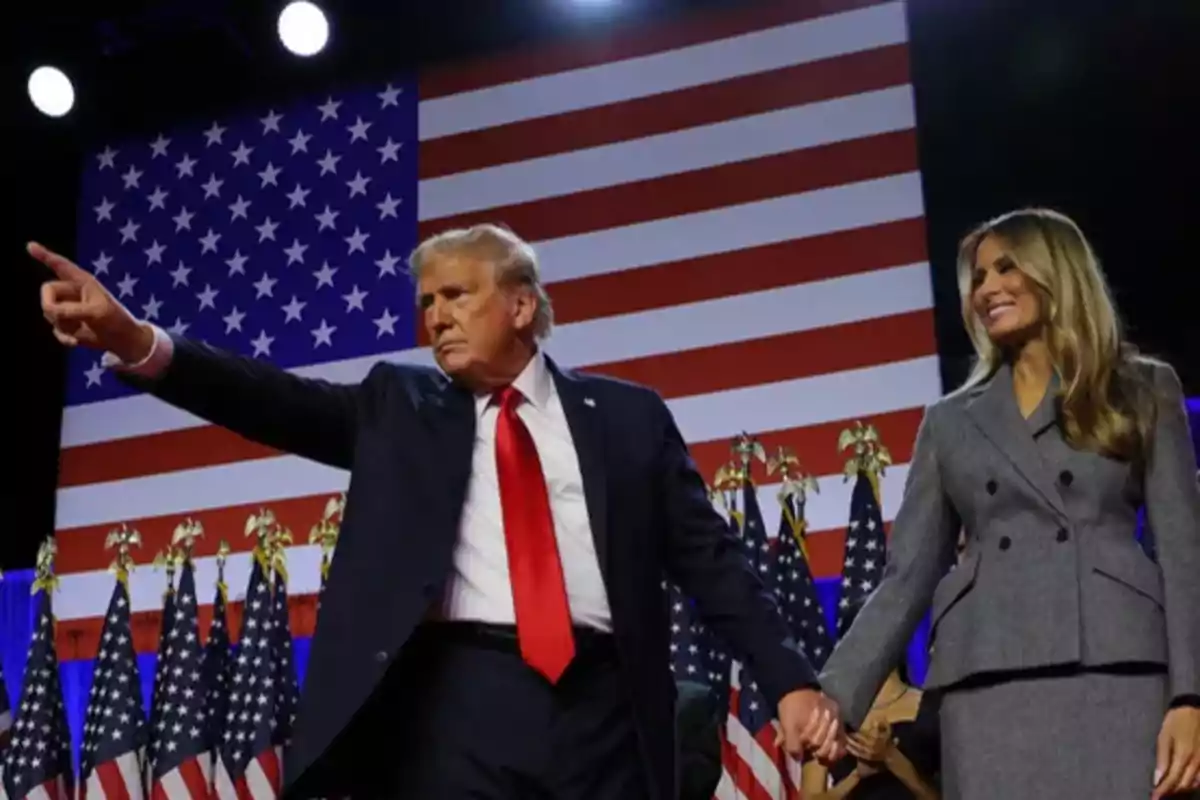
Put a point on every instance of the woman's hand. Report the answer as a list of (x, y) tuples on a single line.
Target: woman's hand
[(871, 746), (1178, 768)]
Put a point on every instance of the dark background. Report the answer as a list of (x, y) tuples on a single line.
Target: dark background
[(1083, 105)]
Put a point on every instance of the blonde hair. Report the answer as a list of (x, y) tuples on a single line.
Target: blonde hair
[(513, 258), (1103, 396)]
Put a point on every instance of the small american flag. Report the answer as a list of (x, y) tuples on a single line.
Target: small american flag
[(249, 766), (794, 588), (218, 667), (752, 764), (182, 768), (112, 758), (160, 671), (37, 765), (287, 689), (689, 639), (866, 551)]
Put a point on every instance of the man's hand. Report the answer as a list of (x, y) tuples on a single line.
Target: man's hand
[(811, 722), (1178, 767), (82, 312)]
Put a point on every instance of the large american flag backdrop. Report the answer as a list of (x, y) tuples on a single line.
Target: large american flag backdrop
[(728, 209)]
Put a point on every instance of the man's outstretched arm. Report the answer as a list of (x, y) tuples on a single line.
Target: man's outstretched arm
[(314, 419)]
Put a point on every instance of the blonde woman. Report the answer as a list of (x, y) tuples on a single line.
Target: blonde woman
[(1067, 660)]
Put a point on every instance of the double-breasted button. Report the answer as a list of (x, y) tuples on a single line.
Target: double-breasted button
[(1063, 535), (1065, 477), (991, 487), (1005, 542)]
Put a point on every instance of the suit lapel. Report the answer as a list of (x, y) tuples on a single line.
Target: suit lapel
[(993, 409), (449, 410), (1046, 413), (587, 432)]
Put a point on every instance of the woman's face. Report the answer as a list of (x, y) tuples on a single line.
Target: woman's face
[(1003, 297)]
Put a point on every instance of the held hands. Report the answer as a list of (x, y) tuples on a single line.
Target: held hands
[(82, 312), (871, 746), (811, 722), (1178, 767)]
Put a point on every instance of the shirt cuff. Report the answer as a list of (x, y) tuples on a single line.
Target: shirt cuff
[(155, 362)]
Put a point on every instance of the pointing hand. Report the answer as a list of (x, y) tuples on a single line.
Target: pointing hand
[(82, 312)]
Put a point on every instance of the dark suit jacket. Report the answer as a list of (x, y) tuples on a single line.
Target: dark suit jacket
[(698, 722), (1052, 573), (406, 434)]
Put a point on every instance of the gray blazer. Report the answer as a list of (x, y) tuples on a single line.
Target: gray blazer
[(1052, 573)]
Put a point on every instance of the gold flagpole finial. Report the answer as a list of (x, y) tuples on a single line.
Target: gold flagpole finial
[(122, 538), (868, 454), (796, 483), (277, 542), (44, 577), (222, 557), (165, 559), (793, 491), (184, 538), (728, 483), (261, 526), (325, 533), (746, 449)]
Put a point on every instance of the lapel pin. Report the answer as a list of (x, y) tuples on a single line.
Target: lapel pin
[(589, 402)]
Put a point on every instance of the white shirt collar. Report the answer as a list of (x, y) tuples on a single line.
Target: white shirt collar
[(535, 383)]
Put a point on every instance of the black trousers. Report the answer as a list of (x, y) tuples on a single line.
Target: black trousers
[(477, 722)]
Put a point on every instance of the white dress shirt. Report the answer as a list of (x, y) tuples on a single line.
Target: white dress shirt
[(479, 588)]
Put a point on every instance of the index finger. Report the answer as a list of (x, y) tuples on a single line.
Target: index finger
[(61, 266)]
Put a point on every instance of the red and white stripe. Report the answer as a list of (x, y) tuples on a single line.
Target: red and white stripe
[(727, 209), (191, 780), (120, 778), (753, 767), (263, 779), (54, 789)]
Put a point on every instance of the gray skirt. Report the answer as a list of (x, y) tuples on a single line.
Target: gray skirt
[(1073, 734)]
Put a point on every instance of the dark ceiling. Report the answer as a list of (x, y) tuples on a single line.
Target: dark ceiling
[(1085, 105)]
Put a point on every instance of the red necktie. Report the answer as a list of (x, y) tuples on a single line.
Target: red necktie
[(538, 589)]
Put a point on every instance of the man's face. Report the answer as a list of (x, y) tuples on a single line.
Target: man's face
[(472, 321)]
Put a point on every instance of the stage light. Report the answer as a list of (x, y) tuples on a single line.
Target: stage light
[(51, 91), (303, 28)]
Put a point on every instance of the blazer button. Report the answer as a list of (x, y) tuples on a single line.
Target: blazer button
[(381, 656), (1063, 535), (1005, 542), (991, 487), (1065, 477)]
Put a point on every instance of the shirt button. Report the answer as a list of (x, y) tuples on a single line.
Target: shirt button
[(1065, 477), (1063, 535), (1005, 542), (991, 487)]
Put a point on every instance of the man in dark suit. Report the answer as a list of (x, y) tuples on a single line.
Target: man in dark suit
[(494, 623)]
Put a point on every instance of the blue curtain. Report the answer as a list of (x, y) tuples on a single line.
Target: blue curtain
[(16, 628), (829, 590)]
